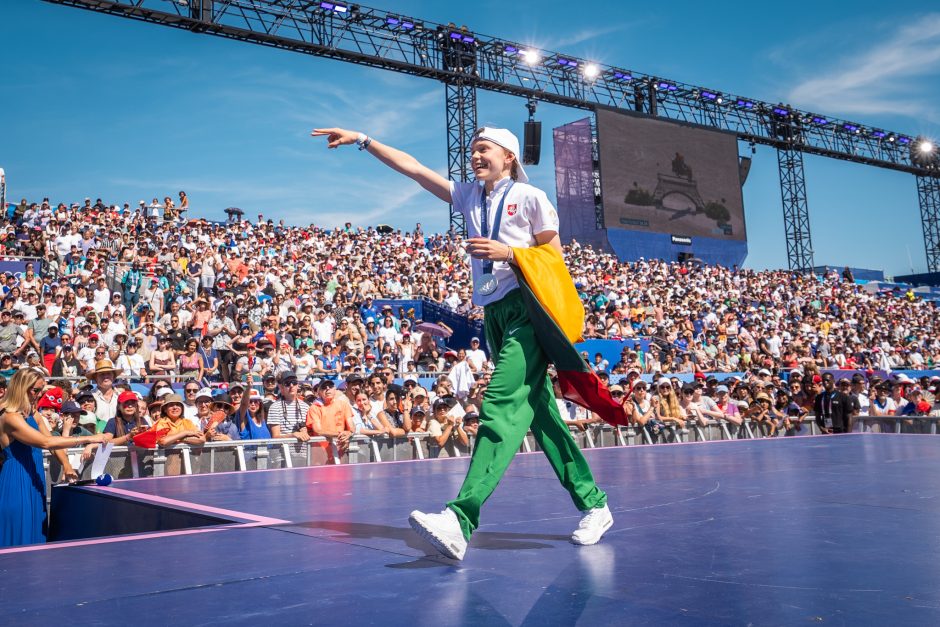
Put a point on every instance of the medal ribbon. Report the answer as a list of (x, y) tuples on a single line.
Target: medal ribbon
[(485, 222)]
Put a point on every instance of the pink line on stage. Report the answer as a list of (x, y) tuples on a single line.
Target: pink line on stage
[(253, 520)]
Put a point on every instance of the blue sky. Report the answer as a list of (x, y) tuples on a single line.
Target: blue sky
[(100, 106)]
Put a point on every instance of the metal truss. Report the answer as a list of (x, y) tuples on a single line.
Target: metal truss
[(928, 196), (465, 61), (461, 100), (392, 41), (795, 209)]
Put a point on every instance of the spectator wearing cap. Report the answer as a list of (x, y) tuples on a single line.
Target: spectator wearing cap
[(50, 346), (728, 408), (66, 365), (202, 403), (476, 356), (221, 425), (692, 404), (882, 405), (86, 400), (287, 416), (331, 418), (666, 404), (126, 424), (252, 417), (71, 420), (355, 383)]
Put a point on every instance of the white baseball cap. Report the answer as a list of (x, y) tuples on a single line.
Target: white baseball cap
[(504, 138)]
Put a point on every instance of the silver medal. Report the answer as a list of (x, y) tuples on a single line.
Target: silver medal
[(487, 284)]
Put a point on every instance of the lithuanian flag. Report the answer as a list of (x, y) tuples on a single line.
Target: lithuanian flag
[(558, 318)]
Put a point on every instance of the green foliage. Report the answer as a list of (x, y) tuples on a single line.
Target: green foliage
[(717, 212)]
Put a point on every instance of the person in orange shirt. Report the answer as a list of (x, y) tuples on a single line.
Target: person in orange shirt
[(331, 416), (180, 429)]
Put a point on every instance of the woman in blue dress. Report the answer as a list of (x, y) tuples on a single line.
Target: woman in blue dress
[(22, 479)]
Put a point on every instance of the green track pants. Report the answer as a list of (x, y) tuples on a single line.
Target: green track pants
[(519, 398)]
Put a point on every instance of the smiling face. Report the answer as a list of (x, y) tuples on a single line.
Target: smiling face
[(490, 162)]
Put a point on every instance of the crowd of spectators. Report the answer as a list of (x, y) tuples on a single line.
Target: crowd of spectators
[(262, 322)]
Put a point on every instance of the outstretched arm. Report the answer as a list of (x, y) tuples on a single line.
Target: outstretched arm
[(392, 157)]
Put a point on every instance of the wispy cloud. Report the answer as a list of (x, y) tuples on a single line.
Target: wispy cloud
[(890, 77), (586, 34)]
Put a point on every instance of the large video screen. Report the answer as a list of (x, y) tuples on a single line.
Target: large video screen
[(664, 177)]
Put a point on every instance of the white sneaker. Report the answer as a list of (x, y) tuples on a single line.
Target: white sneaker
[(594, 523), (442, 531)]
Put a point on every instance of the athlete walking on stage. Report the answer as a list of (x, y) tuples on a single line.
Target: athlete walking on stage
[(502, 212)]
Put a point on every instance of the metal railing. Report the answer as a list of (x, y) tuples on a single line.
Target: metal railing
[(130, 462)]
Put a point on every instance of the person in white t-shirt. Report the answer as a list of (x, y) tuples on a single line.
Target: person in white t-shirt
[(475, 356), (501, 212)]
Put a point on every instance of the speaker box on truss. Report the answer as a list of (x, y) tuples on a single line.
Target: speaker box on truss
[(532, 143)]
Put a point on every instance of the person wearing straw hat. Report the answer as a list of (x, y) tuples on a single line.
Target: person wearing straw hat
[(106, 396), (502, 212), (178, 430)]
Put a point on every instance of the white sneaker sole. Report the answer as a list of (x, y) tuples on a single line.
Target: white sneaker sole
[(443, 546), (607, 525)]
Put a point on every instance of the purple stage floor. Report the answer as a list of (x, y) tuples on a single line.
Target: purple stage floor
[(813, 530)]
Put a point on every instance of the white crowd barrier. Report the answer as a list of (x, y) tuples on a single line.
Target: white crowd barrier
[(128, 462)]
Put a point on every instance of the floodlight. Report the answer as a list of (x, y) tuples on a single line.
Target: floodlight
[(925, 147), (530, 56), (591, 70)]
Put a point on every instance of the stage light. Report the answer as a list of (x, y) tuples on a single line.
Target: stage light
[(710, 95), (510, 49), (782, 112), (622, 76), (818, 121), (925, 147), (467, 39), (852, 128), (569, 63), (744, 104), (391, 20), (333, 6), (530, 56), (665, 86), (891, 138), (591, 71), (878, 134), (904, 140), (455, 35)]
